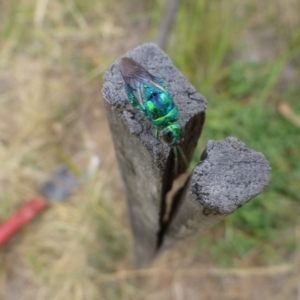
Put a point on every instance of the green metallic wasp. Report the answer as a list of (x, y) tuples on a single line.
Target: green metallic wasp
[(148, 94)]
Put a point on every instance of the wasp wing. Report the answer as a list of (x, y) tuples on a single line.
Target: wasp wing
[(135, 76)]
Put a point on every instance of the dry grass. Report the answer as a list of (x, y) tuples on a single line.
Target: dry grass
[(52, 57), (51, 61)]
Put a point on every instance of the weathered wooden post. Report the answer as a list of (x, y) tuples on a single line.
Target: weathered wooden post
[(227, 177)]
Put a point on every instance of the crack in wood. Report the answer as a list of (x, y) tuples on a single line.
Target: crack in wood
[(227, 176)]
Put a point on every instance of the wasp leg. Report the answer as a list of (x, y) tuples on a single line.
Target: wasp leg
[(156, 134), (142, 118), (175, 150)]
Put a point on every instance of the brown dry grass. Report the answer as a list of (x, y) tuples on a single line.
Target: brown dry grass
[(51, 70), (52, 58)]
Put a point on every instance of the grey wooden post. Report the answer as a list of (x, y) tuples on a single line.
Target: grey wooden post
[(227, 177), (146, 166)]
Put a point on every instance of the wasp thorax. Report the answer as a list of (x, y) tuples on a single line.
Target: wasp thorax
[(171, 134)]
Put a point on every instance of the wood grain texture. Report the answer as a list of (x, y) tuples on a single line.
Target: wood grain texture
[(227, 177), (146, 167)]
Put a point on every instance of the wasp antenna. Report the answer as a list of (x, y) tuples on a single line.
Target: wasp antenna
[(182, 155), (175, 150)]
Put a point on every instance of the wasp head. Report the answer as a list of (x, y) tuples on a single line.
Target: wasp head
[(172, 134)]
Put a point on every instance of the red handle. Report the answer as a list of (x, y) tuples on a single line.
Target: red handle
[(25, 214)]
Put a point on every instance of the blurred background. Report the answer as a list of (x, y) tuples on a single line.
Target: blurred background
[(242, 56)]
